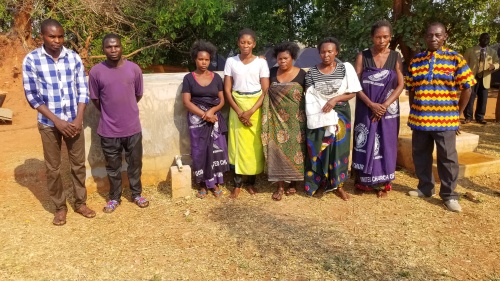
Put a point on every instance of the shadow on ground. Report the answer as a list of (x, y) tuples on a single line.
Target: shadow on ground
[(331, 252), (31, 174)]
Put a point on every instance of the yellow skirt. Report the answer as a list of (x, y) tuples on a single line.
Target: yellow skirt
[(245, 145)]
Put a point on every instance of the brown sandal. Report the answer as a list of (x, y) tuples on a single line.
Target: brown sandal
[(86, 211), (60, 217)]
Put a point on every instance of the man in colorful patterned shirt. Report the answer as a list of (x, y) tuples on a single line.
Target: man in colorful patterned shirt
[(55, 85), (435, 78)]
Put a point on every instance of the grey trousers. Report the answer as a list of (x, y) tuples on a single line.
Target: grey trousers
[(51, 141), (447, 161)]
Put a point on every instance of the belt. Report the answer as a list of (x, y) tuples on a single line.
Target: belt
[(248, 93)]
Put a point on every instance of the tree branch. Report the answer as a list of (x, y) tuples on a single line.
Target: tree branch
[(157, 44)]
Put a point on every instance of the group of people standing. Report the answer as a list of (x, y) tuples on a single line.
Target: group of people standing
[(55, 85), (294, 125)]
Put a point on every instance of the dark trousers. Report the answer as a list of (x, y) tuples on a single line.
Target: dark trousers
[(482, 98), (112, 149), (51, 141), (447, 161)]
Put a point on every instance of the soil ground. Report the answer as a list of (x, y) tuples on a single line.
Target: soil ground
[(252, 238)]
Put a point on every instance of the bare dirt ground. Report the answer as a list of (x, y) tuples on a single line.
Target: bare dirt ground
[(252, 238)]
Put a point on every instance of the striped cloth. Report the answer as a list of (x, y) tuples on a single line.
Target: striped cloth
[(59, 85), (436, 77)]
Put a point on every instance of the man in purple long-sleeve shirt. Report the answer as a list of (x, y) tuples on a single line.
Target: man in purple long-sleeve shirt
[(116, 86), (54, 84)]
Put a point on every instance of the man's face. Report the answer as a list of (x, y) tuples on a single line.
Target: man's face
[(435, 37), (53, 38), (484, 40), (112, 48)]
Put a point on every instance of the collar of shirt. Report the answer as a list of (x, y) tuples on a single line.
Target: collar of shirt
[(63, 53)]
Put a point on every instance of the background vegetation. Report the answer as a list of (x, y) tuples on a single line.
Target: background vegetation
[(162, 31)]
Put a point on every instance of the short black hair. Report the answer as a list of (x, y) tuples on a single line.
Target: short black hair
[(290, 47), (484, 34), (111, 36), (330, 40), (202, 46), (247, 31), (49, 22), (436, 23), (379, 24)]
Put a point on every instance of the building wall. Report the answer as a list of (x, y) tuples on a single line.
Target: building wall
[(164, 129)]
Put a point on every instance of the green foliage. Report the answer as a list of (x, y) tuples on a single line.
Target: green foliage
[(164, 30)]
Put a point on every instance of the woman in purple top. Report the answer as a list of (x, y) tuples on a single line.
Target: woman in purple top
[(202, 95), (377, 113)]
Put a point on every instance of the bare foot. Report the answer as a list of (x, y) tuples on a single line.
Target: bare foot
[(291, 189), (340, 192), (235, 193), (278, 194), (319, 193), (382, 194), (251, 189)]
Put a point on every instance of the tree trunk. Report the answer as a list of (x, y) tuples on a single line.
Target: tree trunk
[(402, 8), (23, 24)]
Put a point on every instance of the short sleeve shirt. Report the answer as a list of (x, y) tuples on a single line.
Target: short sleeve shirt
[(117, 89), (436, 77), (246, 77), (190, 85)]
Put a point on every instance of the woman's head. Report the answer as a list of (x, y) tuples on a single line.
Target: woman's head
[(328, 48), (201, 52), (285, 53), (246, 41), (381, 34), (290, 47)]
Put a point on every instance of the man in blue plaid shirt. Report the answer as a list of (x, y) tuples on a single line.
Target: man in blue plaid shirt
[(55, 85)]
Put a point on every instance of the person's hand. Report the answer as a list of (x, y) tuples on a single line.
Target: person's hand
[(491, 68), (374, 118), (66, 128), (329, 105), (245, 118), (78, 124), (209, 116), (378, 109), (457, 132)]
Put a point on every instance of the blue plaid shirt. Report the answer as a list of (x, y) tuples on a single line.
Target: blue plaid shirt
[(59, 85)]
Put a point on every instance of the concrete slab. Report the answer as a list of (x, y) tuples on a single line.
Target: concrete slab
[(466, 142)]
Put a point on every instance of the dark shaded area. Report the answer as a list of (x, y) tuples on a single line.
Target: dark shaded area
[(31, 174), (311, 244)]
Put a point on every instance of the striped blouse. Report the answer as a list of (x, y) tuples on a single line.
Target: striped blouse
[(326, 84), (436, 77)]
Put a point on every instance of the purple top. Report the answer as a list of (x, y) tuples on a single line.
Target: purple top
[(190, 85), (117, 89)]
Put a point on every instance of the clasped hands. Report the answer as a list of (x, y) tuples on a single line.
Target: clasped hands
[(209, 116), (378, 110), (244, 117), (69, 129)]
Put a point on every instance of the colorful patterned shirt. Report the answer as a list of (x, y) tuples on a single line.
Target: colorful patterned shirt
[(59, 85), (436, 77)]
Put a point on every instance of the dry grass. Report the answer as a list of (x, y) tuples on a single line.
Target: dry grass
[(253, 238)]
